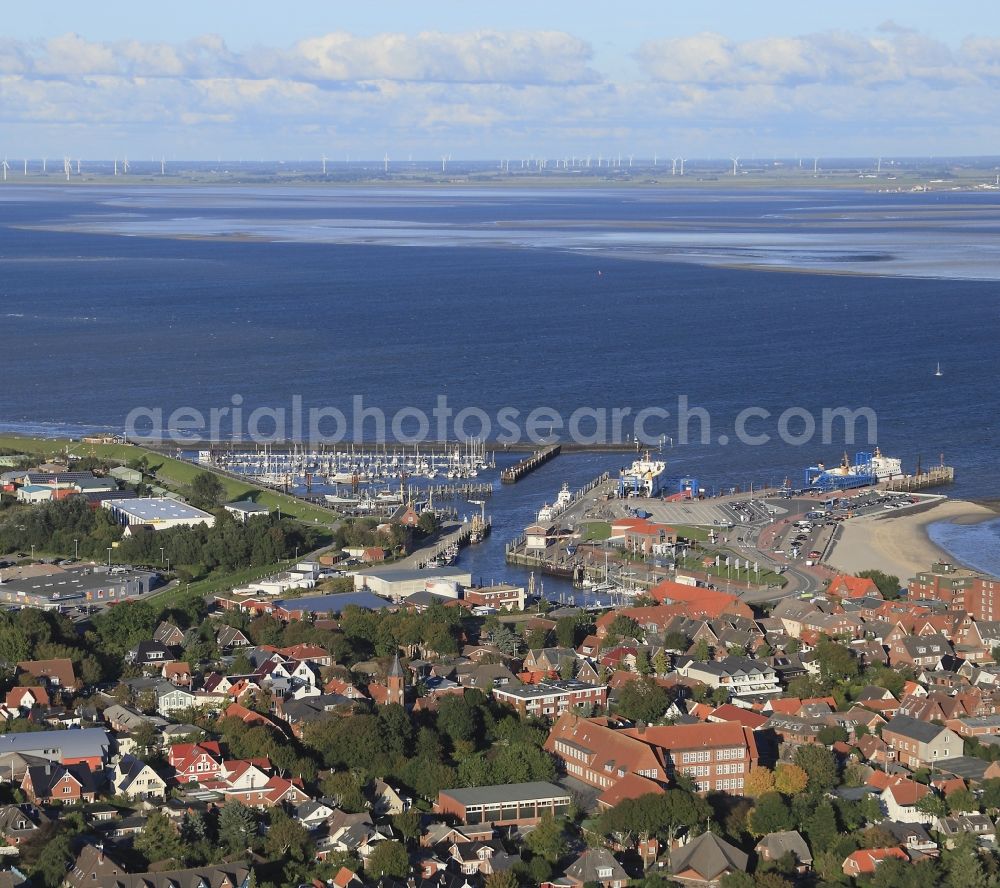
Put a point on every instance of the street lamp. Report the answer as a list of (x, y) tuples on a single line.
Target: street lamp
[(109, 557), (161, 554), (32, 551), (76, 550)]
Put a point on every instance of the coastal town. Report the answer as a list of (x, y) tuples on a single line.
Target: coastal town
[(202, 691)]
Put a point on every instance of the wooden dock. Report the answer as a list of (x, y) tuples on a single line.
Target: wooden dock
[(516, 472)]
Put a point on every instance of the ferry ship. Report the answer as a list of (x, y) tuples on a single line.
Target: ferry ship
[(645, 477), (549, 513), (867, 468)]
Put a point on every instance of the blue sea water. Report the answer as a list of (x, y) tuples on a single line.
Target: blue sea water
[(604, 299), (975, 545)]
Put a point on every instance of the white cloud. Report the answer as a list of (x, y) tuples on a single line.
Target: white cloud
[(485, 92)]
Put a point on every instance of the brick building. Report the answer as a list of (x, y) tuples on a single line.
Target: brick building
[(961, 589), (550, 699)]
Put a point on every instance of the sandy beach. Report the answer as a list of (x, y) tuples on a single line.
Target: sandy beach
[(898, 543)]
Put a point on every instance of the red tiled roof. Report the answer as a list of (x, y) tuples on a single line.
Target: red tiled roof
[(730, 713), (631, 786)]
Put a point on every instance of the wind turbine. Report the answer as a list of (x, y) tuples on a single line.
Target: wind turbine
[(324, 164), (78, 166), (736, 163), (163, 166), (878, 169), (125, 166), (66, 167), (682, 166), (26, 166), (45, 164), (385, 162), (673, 166), (116, 166), (443, 161), (6, 166), (815, 166)]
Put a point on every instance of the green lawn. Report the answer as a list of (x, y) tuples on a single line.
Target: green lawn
[(215, 584), (690, 532), (595, 530), (171, 472)]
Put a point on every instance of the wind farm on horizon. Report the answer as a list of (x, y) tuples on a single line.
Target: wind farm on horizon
[(593, 168)]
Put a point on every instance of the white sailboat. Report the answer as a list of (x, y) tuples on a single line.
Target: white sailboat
[(938, 371)]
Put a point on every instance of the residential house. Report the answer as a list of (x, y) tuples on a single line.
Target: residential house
[(741, 676), (23, 699), (900, 798), (550, 699), (867, 860), (45, 784), (917, 744), (925, 651), (168, 634), (54, 674), (706, 860), (775, 846), (596, 866), (135, 779)]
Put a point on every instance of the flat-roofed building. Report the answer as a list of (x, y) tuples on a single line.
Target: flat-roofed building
[(70, 587), (550, 699), (397, 583), (513, 804), (159, 512)]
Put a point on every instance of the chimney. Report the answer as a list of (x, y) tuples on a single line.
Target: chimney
[(100, 852), (640, 727)]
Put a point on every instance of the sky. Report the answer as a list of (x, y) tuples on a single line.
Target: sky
[(478, 80)]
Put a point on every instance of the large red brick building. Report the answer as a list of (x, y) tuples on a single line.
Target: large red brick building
[(960, 589), (716, 756)]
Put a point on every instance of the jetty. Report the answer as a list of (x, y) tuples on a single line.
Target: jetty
[(517, 471), (936, 476)]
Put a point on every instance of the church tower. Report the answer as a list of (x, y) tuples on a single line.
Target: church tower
[(396, 683)]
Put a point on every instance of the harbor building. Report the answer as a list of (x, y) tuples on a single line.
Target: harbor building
[(397, 583), (158, 512)]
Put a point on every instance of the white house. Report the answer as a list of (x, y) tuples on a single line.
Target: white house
[(134, 779)]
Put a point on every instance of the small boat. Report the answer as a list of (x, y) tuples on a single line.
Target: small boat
[(938, 371)]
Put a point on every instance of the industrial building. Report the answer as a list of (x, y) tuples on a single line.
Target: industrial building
[(160, 513), (508, 805), (71, 587), (397, 583)]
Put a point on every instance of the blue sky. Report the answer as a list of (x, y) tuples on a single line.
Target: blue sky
[(504, 79)]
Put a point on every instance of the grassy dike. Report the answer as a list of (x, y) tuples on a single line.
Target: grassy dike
[(170, 472)]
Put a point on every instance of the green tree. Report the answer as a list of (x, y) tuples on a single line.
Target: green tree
[(963, 865), (642, 699), (961, 801), (771, 814), (818, 762), (566, 629), (821, 828), (388, 859), (548, 839), (53, 861), (702, 651), (642, 664), (159, 839), (207, 490), (237, 826), (504, 878), (285, 837), (660, 664), (887, 584), (567, 668), (407, 824), (836, 662)]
